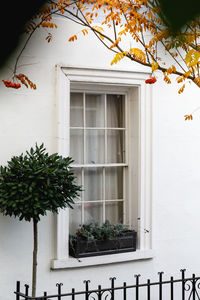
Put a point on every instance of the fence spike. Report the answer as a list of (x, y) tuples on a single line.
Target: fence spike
[(182, 270), (112, 278), (172, 288), (137, 286), (17, 290), (59, 290), (86, 289), (193, 287), (148, 289), (86, 281), (160, 284), (124, 291), (112, 287), (99, 292), (183, 283), (73, 294), (26, 289)]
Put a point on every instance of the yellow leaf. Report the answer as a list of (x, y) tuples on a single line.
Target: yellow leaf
[(154, 66), (180, 79), (197, 81), (187, 74), (171, 70), (167, 79), (138, 54), (192, 57), (84, 31), (118, 57), (123, 31), (181, 89), (99, 29), (115, 43)]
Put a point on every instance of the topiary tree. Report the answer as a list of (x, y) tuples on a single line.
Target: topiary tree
[(31, 185)]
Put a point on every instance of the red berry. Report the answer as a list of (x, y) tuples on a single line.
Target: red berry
[(151, 80), (8, 83)]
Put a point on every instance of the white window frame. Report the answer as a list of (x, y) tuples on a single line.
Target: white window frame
[(127, 79)]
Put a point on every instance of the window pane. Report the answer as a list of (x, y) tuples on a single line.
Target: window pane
[(114, 183), (74, 218), (94, 110), (93, 213), (76, 145), (115, 146), (115, 111), (95, 141), (76, 110), (114, 212), (93, 189), (78, 181)]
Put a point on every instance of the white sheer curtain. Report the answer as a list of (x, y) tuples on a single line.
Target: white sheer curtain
[(77, 125), (115, 154)]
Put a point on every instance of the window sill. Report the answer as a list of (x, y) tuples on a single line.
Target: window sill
[(101, 260)]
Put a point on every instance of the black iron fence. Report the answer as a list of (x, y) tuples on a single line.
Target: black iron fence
[(184, 288)]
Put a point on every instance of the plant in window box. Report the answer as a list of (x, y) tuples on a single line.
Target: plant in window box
[(92, 239)]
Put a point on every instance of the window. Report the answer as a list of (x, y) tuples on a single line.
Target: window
[(98, 145), (104, 120)]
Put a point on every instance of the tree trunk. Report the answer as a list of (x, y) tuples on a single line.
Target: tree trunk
[(35, 250)]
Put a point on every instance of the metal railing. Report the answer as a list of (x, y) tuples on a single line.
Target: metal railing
[(185, 288)]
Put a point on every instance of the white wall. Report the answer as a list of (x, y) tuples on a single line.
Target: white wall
[(28, 116)]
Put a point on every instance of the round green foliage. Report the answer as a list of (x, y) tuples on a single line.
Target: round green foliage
[(34, 183)]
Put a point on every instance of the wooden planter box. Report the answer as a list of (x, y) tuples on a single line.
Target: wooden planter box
[(83, 248)]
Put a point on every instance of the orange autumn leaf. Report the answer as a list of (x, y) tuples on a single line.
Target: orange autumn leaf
[(188, 117), (72, 38), (181, 89), (25, 81), (167, 79)]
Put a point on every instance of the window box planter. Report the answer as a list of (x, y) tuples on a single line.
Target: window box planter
[(81, 247)]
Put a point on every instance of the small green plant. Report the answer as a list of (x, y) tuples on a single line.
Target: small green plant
[(90, 239), (93, 231), (34, 183)]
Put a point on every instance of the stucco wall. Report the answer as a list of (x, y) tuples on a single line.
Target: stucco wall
[(28, 116)]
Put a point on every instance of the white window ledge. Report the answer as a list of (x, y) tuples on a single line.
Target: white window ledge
[(101, 260)]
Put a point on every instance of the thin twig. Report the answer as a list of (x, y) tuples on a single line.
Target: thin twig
[(114, 28), (174, 58), (147, 55)]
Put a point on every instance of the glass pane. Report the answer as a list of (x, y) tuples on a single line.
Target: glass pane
[(115, 146), (95, 141), (114, 212), (76, 110), (74, 218), (114, 183), (93, 189), (76, 145), (93, 213), (94, 105), (78, 181), (115, 111)]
